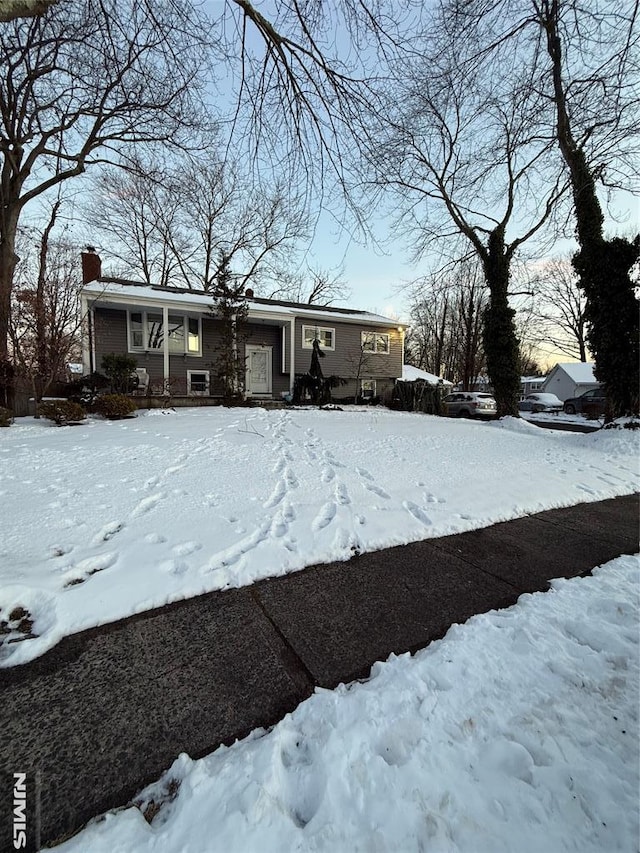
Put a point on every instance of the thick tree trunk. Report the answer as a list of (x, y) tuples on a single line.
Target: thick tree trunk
[(8, 262), (500, 340), (603, 265)]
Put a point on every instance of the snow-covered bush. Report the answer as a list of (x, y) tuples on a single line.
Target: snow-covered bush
[(62, 412), (114, 406)]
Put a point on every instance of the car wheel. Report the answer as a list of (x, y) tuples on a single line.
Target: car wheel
[(570, 409), (464, 413)]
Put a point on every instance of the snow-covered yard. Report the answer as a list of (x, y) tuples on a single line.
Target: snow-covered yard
[(111, 518), (517, 731)]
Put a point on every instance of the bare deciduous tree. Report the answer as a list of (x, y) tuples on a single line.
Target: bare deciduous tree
[(315, 286), (559, 307), (465, 156), (172, 224), (46, 319), (582, 60), (80, 85), (446, 325), (599, 98)]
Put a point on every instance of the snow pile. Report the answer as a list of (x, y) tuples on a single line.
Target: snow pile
[(112, 518), (517, 731)]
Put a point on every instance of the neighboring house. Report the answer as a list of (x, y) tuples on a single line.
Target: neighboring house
[(414, 374), (570, 379), (531, 384), (482, 384), (126, 317)]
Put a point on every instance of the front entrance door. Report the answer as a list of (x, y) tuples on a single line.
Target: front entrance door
[(259, 370)]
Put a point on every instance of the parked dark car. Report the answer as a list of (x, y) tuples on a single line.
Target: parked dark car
[(591, 403)]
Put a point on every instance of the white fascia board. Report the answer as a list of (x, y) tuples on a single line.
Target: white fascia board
[(145, 297), (143, 300), (327, 318), (267, 315)]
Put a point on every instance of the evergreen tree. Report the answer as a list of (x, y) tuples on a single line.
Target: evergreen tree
[(231, 309)]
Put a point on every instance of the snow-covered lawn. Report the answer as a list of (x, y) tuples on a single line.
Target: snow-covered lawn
[(112, 518), (516, 732)]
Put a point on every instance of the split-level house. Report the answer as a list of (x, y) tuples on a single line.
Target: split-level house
[(174, 335)]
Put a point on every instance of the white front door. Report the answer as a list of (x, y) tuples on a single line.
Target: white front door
[(258, 370)]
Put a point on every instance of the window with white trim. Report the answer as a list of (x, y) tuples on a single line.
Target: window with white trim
[(326, 337), (375, 342), (197, 383), (146, 333), (367, 388)]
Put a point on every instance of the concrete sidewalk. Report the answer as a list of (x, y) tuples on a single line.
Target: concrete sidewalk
[(107, 711)]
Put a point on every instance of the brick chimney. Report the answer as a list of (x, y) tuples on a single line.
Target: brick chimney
[(91, 265)]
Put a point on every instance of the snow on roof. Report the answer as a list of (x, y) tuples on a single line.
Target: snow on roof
[(105, 288), (579, 372), (412, 374)]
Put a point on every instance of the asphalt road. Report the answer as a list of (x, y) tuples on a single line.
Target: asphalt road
[(567, 426)]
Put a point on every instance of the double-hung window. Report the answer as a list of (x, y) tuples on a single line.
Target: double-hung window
[(146, 333), (375, 342), (325, 337)]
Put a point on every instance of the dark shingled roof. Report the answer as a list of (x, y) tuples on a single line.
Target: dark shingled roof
[(283, 303)]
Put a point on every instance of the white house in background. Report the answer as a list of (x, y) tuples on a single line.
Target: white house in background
[(570, 379), (413, 374)]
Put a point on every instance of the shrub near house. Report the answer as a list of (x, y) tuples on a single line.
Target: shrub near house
[(114, 406)]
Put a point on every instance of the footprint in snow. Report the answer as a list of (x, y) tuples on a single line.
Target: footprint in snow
[(417, 512), (83, 570), (174, 567), (154, 539), (183, 549), (342, 496), (147, 504), (279, 466), (324, 517), (279, 526), (107, 532), (290, 479), (172, 469), (584, 488), (276, 495), (371, 487)]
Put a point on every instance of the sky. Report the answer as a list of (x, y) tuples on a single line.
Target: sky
[(376, 275), (519, 726)]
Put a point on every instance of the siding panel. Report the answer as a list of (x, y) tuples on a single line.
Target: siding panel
[(347, 360)]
